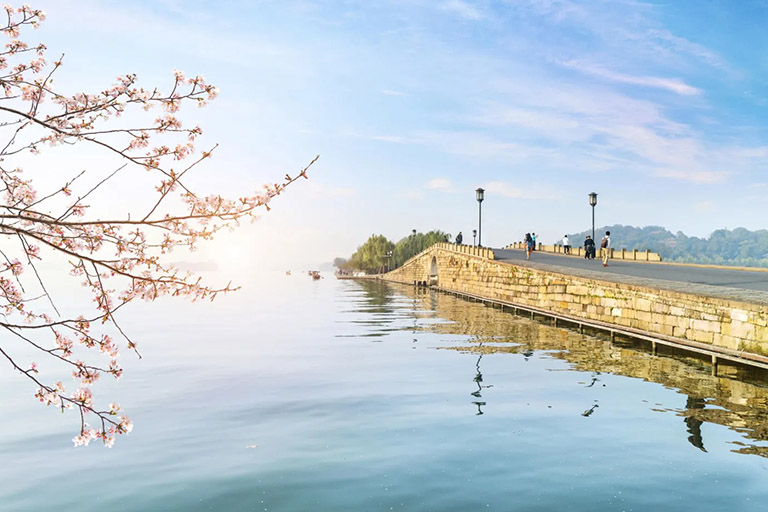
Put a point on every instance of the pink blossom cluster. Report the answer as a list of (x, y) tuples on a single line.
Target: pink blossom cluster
[(117, 260)]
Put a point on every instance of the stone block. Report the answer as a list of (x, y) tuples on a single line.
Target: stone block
[(701, 336), (739, 315), (706, 326), (726, 341), (677, 311), (761, 333), (666, 330), (643, 304), (741, 330), (577, 290), (643, 316)]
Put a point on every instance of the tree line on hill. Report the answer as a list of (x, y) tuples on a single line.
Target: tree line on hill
[(740, 246), (379, 254)]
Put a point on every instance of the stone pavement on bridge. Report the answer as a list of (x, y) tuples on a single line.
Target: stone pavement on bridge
[(727, 283)]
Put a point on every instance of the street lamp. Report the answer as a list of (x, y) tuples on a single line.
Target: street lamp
[(479, 194), (593, 203), (413, 243), (474, 236)]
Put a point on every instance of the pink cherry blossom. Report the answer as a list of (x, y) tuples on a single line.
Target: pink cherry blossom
[(115, 260)]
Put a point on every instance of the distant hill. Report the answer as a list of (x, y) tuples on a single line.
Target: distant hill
[(740, 246)]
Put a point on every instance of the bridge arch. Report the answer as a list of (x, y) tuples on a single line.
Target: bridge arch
[(433, 271)]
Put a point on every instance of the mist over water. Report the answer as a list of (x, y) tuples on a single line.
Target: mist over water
[(299, 395)]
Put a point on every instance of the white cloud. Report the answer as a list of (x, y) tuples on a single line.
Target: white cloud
[(440, 184), (670, 84), (464, 9), (695, 176), (683, 45), (412, 194)]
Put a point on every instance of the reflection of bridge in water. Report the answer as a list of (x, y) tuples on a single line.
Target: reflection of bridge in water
[(696, 309), (736, 398)]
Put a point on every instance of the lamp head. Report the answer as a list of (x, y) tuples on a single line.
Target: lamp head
[(592, 199), (480, 193)]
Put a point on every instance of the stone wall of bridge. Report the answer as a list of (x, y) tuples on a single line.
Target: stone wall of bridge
[(724, 323)]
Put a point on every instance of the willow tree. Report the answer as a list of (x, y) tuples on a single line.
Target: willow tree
[(68, 220), (374, 255)]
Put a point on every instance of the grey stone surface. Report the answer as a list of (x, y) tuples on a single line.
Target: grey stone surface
[(740, 285)]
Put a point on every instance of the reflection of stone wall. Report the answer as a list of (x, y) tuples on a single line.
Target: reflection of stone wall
[(738, 404), (721, 322)]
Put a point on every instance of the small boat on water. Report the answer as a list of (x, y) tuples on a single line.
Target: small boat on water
[(314, 274), (287, 272)]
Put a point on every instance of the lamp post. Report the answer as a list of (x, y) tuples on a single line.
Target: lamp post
[(480, 195), (593, 203), (474, 236), (413, 243)]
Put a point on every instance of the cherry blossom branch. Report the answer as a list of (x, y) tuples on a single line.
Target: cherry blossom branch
[(117, 260)]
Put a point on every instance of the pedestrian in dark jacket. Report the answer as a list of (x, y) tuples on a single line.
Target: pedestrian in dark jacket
[(589, 248)]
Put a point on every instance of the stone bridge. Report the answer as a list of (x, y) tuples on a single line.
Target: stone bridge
[(720, 322)]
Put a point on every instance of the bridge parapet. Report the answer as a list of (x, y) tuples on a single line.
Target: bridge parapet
[(482, 252), (617, 254)]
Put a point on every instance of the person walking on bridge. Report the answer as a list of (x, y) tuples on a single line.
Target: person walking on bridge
[(528, 242), (605, 245), (459, 238), (589, 248), (566, 245)]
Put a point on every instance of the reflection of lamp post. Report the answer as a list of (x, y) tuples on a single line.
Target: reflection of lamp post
[(389, 255), (593, 203), (474, 236), (479, 381), (479, 194)]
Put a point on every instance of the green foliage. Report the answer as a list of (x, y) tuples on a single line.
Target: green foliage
[(411, 245), (371, 257), (724, 247)]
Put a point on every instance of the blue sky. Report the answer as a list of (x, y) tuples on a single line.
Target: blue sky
[(660, 107)]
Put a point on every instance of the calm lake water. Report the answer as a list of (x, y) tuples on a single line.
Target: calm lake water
[(360, 396)]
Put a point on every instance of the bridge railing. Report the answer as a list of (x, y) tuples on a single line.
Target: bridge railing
[(618, 254), (482, 252)]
